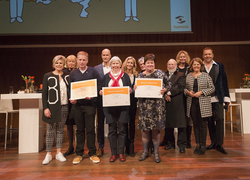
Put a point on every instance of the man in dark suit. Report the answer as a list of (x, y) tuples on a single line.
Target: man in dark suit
[(221, 95), (102, 69), (175, 117)]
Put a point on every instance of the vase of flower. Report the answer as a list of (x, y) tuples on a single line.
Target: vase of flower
[(246, 81), (26, 88), (32, 84)]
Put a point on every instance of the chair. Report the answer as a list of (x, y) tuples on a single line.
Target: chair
[(6, 106), (230, 106)]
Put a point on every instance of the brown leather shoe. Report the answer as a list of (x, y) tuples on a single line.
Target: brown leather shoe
[(99, 152), (122, 158), (112, 158)]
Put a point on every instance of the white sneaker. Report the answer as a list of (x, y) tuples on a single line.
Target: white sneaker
[(47, 159), (60, 157)]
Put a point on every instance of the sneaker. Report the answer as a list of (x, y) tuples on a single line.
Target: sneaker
[(47, 159), (99, 152), (77, 159), (60, 157), (95, 159)]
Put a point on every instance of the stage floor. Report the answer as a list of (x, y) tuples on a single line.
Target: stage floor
[(212, 165)]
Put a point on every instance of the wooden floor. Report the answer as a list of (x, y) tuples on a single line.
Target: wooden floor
[(212, 165)]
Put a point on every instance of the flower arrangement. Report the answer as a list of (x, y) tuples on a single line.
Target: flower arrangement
[(246, 80), (27, 80)]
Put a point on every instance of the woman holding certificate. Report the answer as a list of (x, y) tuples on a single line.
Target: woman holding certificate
[(199, 87), (152, 112), (117, 117), (129, 66), (55, 106)]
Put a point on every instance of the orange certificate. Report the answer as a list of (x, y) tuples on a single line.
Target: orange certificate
[(148, 88), (115, 96), (83, 89)]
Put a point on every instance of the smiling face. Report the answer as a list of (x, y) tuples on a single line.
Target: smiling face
[(183, 58), (71, 63), (196, 66), (208, 56), (59, 65), (116, 66), (150, 65), (130, 64), (172, 65), (82, 61)]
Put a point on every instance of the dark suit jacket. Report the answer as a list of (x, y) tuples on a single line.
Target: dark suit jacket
[(99, 69), (221, 85), (175, 117), (124, 116)]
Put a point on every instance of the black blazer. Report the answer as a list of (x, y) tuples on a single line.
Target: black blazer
[(51, 98)]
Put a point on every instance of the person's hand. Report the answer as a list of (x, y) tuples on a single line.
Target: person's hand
[(88, 98), (197, 94), (163, 90), (130, 90), (190, 93), (72, 101), (47, 113), (168, 98), (100, 92), (135, 86)]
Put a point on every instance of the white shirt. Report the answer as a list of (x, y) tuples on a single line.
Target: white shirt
[(63, 93), (215, 98), (105, 69)]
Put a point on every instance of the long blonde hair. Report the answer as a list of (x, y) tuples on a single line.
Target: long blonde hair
[(124, 65), (179, 54)]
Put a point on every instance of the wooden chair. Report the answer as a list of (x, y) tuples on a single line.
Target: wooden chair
[(6, 106)]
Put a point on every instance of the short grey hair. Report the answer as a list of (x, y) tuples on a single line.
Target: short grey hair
[(141, 60), (115, 58)]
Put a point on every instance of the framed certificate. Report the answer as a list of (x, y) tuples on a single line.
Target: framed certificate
[(83, 89), (148, 88), (115, 96)]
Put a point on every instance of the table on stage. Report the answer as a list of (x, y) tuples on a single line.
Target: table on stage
[(31, 126), (243, 98)]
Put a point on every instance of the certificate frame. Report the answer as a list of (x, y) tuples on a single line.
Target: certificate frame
[(115, 96), (148, 88), (83, 89)]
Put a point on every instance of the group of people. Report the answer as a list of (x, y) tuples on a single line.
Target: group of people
[(193, 93)]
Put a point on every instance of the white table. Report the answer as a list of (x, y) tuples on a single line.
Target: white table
[(31, 126), (243, 98)]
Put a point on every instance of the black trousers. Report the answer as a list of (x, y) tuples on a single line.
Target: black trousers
[(216, 124), (130, 138), (199, 123), (117, 133), (85, 119), (100, 122), (182, 137)]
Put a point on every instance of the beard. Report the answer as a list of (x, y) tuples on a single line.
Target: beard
[(172, 70)]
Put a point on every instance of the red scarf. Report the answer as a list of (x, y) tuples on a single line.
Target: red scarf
[(115, 81)]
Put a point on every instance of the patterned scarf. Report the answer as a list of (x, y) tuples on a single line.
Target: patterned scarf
[(115, 81)]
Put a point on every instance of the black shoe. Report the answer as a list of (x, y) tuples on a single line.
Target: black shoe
[(211, 146), (182, 150), (143, 156), (169, 146), (221, 149), (163, 143), (69, 152), (188, 146), (131, 150), (202, 150), (157, 158), (197, 149)]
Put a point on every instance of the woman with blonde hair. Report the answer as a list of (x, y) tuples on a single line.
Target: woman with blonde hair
[(70, 65), (129, 66)]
